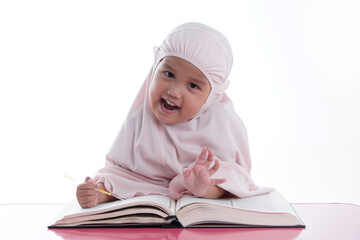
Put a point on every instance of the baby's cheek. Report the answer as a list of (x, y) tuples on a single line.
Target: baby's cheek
[(152, 98), (195, 108)]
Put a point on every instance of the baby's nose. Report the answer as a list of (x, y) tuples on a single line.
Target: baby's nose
[(174, 91)]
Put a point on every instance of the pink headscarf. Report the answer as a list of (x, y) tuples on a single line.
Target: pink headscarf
[(148, 156)]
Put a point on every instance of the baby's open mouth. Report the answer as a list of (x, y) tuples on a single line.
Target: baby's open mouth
[(168, 106)]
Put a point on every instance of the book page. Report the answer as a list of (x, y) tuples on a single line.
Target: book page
[(192, 200), (270, 202), (73, 209)]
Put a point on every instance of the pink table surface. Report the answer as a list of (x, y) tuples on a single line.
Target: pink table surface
[(323, 221)]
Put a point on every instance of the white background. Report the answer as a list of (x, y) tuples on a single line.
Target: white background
[(69, 71)]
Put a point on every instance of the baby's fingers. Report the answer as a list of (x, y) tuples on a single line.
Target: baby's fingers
[(202, 157), (88, 198), (86, 186), (186, 172), (87, 192), (89, 180), (210, 158), (214, 168), (88, 204), (88, 201), (85, 189)]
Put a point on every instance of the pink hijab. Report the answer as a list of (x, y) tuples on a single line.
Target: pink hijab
[(148, 156)]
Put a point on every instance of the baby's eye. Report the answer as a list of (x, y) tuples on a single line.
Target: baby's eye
[(169, 74), (193, 85)]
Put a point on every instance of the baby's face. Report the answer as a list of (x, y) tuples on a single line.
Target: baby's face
[(178, 90)]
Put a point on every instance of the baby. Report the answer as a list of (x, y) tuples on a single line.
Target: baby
[(182, 135)]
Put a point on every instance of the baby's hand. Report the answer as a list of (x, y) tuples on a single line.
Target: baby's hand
[(86, 194), (197, 179)]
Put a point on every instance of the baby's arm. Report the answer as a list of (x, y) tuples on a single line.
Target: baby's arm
[(88, 196), (197, 179)]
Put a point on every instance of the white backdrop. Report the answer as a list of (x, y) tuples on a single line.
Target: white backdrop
[(69, 71)]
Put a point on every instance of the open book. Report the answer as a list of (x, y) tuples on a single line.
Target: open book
[(269, 210)]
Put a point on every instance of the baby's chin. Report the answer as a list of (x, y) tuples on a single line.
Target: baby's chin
[(169, 120)]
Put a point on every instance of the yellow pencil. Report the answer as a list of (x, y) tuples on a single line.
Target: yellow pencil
[(69, 177), (103, 191), (107, 193)]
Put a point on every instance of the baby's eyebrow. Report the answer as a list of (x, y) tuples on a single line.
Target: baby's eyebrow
[(169, 67), (198, 81)]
